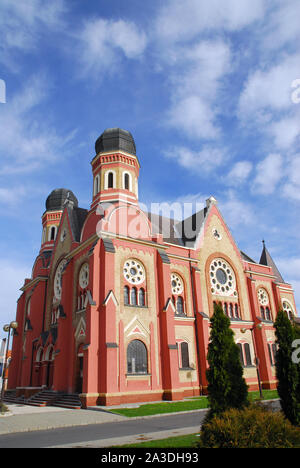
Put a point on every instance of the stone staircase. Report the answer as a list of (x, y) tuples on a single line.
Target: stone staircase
[(43, 398), (10, 396), (71, 401), (46, 398)]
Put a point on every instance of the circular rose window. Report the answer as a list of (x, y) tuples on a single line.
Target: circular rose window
[(134, 272), (222, 278)]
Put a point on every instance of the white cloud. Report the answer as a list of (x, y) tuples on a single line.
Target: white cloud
[(203, 161), (194, 117), (269, 90), (291, 188), (23, 23), (285, 131), (239, 173), (102, 43), (180, 20), (195, 85), (283, 25), (26, 141), (236, 211), (268, 174)]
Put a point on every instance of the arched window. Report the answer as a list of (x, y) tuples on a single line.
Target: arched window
[(133, 297), (39, 354), (126, 295), (236, 311), (110, 180), (287, 307), (185, 362), (44, 235), (247, 354), (274, 350), (231, 310), (241, 353), (270, 354), (226, 308), (96, 185), (268, 313), (126, 181), (179, 306), (52, 233), (262, 312), (137, 360), (142, 297)]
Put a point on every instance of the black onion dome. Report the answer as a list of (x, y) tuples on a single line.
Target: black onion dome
[(58, 197), (114, 139)]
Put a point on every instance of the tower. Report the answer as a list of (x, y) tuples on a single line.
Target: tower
[(55, 204), (115, 168)]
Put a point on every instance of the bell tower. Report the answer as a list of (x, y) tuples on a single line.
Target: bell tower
[(115, 168), (55, 204)]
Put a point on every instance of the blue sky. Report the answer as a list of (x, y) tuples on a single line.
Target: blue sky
[(204, 87)]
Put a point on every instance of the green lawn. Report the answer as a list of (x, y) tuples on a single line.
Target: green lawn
[(184, 441), (191, 404)]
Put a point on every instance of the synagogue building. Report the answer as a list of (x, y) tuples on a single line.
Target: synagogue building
[(119, 303)]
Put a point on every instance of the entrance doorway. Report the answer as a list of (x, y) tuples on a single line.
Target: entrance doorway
[(79, 373)]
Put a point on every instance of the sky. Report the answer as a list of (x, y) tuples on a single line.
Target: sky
[(209, 90)]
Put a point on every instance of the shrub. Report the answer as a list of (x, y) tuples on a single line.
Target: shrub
[(226, 386), (252, 427), (287, 372), (3, 408)]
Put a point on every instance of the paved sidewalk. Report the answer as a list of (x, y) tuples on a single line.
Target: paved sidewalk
[(23, 418), (132, 439)]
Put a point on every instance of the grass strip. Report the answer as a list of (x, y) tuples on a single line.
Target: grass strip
[(184, 441), (192, 404)]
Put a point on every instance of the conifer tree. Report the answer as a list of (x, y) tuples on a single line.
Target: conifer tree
[(287, 372), (226, 385)]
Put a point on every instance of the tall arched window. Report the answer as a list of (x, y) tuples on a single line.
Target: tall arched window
[(126, 181), (133, 297), (137, 360), (126, 295), (179, 306), (185, 362), (142, 297), (247, 354), (96, 185), (52, 233), (110, 180), (241, 353), (44, 235)]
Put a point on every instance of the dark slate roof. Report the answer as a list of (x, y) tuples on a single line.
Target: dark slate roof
[(58, 197), (246, 257), (114, 139), (190, 227), (166, 227), (176, 232), (267, 260), (77, 217)]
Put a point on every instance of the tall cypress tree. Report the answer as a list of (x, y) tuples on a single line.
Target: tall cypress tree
[(287, 372), (226, 385)]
